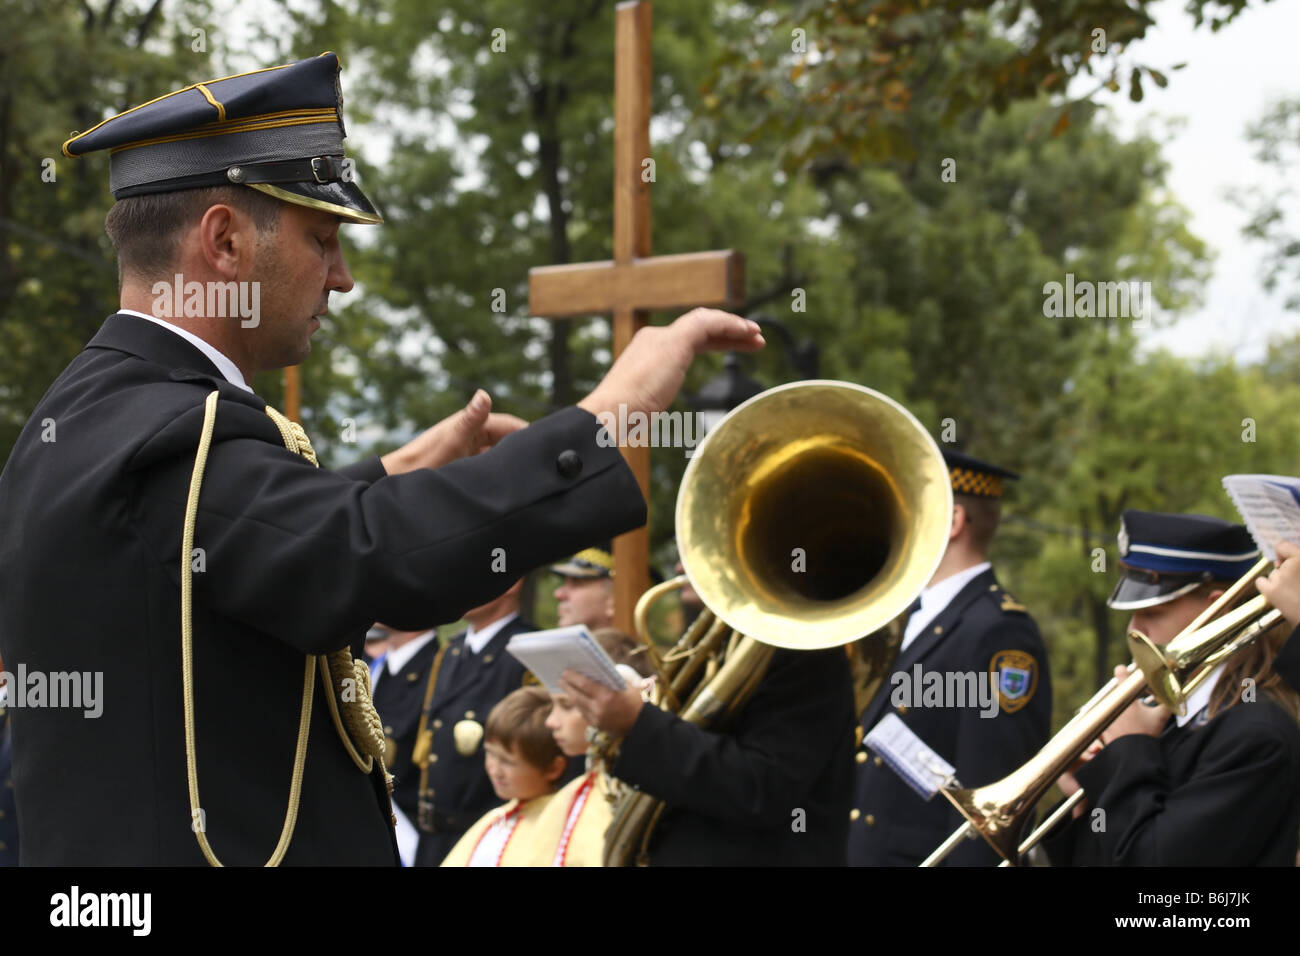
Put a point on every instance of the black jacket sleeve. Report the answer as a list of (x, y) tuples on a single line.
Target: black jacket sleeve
[(311, 556), (755, 775)]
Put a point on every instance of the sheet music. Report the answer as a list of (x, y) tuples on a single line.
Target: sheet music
[(1269, 506), (908, 756), (549, 653)]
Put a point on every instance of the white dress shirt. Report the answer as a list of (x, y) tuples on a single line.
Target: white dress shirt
[(937, 597), (399, 657), (227, 368), (477, 640)]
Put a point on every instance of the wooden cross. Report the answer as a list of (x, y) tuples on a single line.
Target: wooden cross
[(633, 283)]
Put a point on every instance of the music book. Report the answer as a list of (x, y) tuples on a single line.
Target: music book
[(549, 653), (908, 756), (1270, 507)]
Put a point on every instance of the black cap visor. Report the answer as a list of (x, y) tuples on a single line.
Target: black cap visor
[(343, 199), (1140, 589)]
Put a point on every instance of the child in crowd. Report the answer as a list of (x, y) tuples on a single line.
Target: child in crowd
[(571, 831), (524, 762)]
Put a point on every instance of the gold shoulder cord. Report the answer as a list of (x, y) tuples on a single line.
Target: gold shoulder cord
[(335, 669)]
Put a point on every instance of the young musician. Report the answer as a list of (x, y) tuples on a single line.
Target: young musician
[(1219, 786)]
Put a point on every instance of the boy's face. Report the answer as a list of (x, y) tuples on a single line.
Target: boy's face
[(567, 725), (512, 776)]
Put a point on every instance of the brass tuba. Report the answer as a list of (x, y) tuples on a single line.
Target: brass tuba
[(811, 516)]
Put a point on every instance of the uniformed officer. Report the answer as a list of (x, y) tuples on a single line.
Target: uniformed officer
[(398, 680), (963, 624), (199, 562), (471, 674), (1220, 784), (586, 591)]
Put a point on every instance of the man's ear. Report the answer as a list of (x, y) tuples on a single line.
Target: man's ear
[(227, 238), (958, 521)]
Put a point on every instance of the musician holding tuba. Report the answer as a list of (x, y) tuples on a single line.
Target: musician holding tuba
[(1220, 784), (772, 789)]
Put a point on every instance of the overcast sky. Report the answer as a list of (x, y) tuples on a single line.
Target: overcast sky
[(1230, 78)]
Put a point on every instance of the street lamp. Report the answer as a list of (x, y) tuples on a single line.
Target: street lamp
[(723, 393)]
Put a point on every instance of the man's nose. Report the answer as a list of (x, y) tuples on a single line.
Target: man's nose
[(340, 277)]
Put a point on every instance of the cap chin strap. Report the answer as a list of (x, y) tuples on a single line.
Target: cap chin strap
[(336, 669), (319, 169)]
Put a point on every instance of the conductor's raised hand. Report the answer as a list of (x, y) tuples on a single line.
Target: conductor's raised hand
[(469, 431), (650, 372)]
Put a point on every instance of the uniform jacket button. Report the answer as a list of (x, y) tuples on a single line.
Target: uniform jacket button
[(870, 820), (437, 723), (877, 761), (854, 814), (568, 463), (860, 757)]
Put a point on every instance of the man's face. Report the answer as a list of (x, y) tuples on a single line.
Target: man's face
[(297, 266), (567, 726), (588, 601), (1163, 622)]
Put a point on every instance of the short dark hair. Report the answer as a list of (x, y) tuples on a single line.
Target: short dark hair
[(519, 720), (145, 230), (982, 514)]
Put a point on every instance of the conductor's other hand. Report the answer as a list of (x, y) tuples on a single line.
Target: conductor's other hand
[(469, 431), (1281, 588), (649, 373)]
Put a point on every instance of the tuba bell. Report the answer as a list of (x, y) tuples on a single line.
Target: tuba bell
[(811, 516)]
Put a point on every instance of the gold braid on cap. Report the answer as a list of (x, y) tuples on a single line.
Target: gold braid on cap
[(980, 483), (350, 678), (597, 558)]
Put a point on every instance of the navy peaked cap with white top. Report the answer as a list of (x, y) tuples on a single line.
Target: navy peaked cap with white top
[(279, 131), (1164, 556)]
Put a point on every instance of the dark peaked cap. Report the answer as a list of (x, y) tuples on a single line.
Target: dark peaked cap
[(970, 476), (279, 131)]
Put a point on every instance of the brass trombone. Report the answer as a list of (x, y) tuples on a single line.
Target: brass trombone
[(811, 516), (998, 811)]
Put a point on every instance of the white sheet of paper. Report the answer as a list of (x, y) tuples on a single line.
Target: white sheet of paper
[(1270, 507), (908, 756), (549, 653)]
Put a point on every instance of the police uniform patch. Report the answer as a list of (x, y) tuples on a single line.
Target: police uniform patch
[(1017, 678)]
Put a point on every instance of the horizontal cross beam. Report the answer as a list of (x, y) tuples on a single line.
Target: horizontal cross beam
[(664, 282)]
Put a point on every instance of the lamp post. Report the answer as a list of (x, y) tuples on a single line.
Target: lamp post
[(721, 394)]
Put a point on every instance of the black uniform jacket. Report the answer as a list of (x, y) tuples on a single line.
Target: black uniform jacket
[(398, 698), (892, 825), (1222, 793), (469, 686), (772, 790), (298, 560), (1287, 663), (8, 811)]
